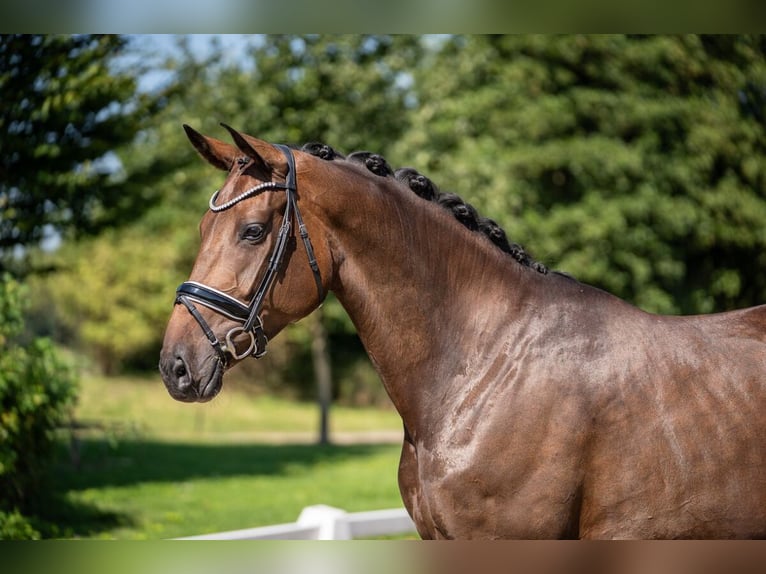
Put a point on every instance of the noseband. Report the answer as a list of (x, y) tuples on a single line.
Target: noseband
[(191, 292)]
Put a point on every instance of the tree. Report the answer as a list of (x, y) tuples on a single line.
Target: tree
[(635, 163), (66, 105)]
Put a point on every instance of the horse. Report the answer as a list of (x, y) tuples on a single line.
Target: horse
[(533, 405)]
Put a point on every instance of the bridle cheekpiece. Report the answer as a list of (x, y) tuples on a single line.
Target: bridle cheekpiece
[(191, 292)]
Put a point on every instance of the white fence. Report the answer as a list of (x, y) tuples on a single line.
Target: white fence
[(323, 522)]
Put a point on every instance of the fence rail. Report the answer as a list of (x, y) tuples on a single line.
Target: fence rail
[(321, 522)]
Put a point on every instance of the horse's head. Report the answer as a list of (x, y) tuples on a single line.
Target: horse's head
[(256, 270)]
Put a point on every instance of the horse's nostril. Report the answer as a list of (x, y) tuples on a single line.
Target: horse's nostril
[(179, 370)]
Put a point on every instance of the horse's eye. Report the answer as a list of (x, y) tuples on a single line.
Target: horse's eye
[(253, 233)]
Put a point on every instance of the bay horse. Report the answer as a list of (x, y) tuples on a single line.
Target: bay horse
[(533, 405)]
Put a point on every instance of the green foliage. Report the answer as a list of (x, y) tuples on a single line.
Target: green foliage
[(633, 163), (65, 107), (36, 393), (115, 292), (15, 526)]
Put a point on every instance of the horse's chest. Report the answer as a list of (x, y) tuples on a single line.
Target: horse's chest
[(458, 497)]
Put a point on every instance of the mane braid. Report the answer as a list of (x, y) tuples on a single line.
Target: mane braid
[(322, 151), (464, 212), (420, 184), (424, 188), (375, 163)]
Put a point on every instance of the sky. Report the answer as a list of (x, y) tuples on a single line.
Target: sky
[(161, 46)]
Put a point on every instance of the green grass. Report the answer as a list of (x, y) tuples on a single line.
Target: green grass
[(144, 406), (151, 468)]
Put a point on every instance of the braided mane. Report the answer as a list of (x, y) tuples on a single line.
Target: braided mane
[(424, 188)]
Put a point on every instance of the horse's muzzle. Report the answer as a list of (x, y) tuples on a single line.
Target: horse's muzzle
[(187, 384)]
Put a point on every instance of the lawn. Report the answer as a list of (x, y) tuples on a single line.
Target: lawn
[(143, 405), (147, 467)]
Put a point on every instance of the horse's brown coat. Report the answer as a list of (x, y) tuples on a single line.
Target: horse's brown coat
[(534, 406)]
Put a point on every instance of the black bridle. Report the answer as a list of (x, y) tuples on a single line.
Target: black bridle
[(192, 292)]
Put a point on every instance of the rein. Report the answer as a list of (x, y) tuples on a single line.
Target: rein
[(191, 292)]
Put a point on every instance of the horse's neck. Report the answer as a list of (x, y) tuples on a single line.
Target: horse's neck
[(422, 291)]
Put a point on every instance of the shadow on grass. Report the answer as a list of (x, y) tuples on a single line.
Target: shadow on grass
[(104, 463), (59, 517), (131, 461)]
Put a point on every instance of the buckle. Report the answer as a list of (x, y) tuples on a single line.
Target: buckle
[(231, 348)]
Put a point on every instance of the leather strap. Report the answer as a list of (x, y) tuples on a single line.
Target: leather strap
[(191, 292)]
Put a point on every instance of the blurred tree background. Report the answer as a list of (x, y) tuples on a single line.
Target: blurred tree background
[(65, 110), (66, 107), (634, 163)]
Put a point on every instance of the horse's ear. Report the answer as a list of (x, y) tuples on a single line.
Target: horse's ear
[(262, 153), (217, 153)]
